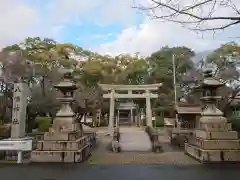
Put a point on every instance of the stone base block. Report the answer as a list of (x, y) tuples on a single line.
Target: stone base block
[(217, 144), (46, 156), (64, 136), (61, 156), (208, 156), (216, 126), (62, 145), (216, 135)]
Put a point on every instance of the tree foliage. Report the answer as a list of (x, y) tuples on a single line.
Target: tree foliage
[(224, 62), (40, 62)]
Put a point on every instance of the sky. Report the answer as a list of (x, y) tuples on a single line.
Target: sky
[(104, 26)]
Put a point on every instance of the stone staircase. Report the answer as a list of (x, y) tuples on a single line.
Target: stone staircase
[(134, 139)]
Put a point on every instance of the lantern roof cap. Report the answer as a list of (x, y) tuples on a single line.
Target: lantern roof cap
[(210, 81)]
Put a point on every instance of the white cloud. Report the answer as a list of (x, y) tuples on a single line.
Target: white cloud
[(101, 36), (19, 20), (118, 11), (16, 21), (101, 12), (152, 35), (62, 11)]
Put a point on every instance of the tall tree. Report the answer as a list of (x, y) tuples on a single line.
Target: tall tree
[(161, 71), (226, 62)]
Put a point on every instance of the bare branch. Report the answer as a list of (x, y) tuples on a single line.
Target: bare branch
[(217, 28), (171, 10)]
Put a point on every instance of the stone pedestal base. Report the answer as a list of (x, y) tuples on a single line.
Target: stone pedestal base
[(67, 146), (216, 135), (61, 156), (208, 156), (214, 146)]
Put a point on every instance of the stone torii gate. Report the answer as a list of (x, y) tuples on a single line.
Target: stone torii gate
[(113, 94)]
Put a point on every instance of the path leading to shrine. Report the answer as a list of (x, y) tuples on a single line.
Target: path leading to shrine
[(103, 155), (134, 140)]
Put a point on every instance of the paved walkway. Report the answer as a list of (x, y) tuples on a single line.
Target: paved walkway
[(102, 155), (134, 139)]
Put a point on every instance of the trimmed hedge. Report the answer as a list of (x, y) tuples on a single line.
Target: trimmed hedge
[(44, 123), (159, 122)]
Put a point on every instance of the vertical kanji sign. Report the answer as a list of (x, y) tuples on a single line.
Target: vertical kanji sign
[(19, 110)]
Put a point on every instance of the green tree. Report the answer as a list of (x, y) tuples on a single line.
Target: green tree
[(161, 71), (226, 62)]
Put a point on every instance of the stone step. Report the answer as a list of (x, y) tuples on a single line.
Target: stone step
[(204, 155), (216, 135), (218, 144), (135, 141)]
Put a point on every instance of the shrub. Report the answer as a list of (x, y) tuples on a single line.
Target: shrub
[(147, 129), (159, 121), (235, 124), (103, 122), (44, 123)]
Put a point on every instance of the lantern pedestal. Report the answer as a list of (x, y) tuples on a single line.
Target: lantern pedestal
[(218, 144), (214, 141)]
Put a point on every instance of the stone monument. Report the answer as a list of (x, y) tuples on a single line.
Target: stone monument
[(214, 141), (18, 147), (19, 110), (65, 141)]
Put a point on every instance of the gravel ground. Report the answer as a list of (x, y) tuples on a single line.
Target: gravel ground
[(177, 158)]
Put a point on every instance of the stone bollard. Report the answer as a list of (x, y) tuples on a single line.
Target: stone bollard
[(153, 136), (115, 146), (115, 142)]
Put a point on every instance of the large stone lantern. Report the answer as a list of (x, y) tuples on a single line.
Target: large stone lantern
[(65, 117), (214, 140), (65, 141), (211, 115)]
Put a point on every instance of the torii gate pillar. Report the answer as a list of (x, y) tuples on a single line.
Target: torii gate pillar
[(148, 109), (111, 112)]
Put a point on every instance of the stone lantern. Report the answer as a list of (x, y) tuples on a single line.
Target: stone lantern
[(65, 141), (65, 118), (211, 115), (214, 141)]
